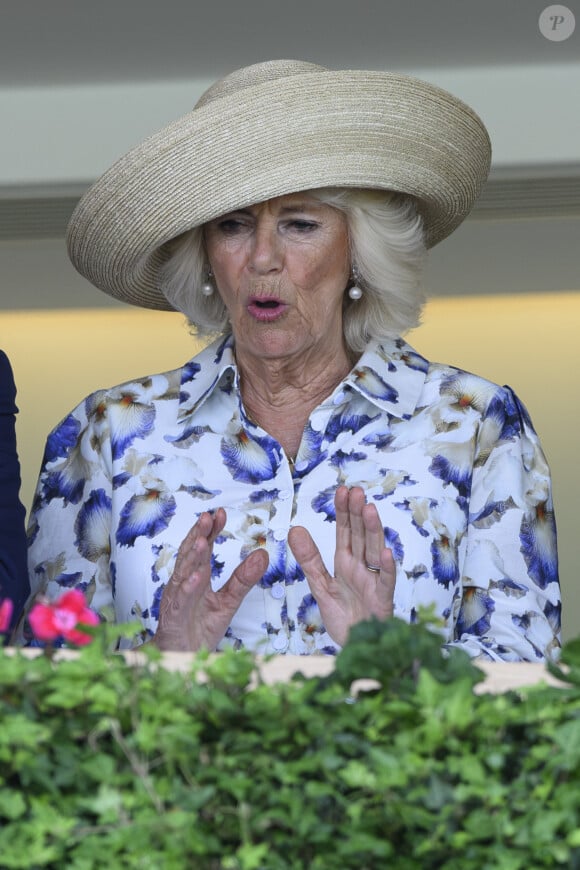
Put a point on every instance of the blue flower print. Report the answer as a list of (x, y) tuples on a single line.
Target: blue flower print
[(414, 361), (521, 410), (92, 526), (132, 419), (54, 572), (287, 623), (157, 596), (491, 513), (451, 469), (276, 570), (467, 391), (189, 372), (119, 480), (310, 452), (421, 510), (230, 640), (380, 440), (503, 412), (62, 439), (146, 514), (113, 576), (163, 562), (475, 613), (417, 571), (293, 571), (345, 421), (323, 503), (263, 497), (226, 344), (248, 459), (393, 541), (445, 567), (372, 385), (68, 480), (308, 615), (553, 613), (538, 546), (391, 479), (191, 434), (532, 626), (509, 587), (341, 459), (217, 567)]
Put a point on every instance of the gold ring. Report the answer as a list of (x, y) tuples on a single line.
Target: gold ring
[(374, 568)]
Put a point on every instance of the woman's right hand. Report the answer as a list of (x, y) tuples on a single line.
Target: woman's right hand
[(191, 615)]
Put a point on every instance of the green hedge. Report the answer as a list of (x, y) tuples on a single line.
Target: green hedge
[(108, 764)]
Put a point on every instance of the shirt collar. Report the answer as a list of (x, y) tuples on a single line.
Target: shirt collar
[(201, 375), (390, 374)]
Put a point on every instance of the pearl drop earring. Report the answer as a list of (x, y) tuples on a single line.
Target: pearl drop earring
[(207, 288), (355, 291)]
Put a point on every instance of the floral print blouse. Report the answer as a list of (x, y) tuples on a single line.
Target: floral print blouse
[(450, 460)]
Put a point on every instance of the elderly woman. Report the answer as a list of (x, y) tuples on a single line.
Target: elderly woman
[(308, 469)]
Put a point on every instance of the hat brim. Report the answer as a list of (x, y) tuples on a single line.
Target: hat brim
[(319, 129)]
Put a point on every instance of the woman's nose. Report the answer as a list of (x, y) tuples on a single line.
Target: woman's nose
[(266, 253)]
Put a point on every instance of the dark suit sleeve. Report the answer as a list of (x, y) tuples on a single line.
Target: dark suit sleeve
[(14, 583)]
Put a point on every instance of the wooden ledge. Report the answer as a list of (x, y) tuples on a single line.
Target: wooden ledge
[(499, 676)]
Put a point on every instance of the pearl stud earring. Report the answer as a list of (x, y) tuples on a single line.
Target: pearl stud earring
[(355, 291), (207, 288)]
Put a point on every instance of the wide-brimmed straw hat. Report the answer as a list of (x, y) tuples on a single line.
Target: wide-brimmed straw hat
[(270, 129)]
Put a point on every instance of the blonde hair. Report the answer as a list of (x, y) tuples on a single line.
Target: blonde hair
[(387, 245)]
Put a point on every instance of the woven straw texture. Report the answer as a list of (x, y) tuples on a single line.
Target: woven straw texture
[(268, 130)]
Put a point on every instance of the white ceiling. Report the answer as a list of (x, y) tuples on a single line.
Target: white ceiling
[(59, 42)]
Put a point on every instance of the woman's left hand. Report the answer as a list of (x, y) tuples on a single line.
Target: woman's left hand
[(355, 592)]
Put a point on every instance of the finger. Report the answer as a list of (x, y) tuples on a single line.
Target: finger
[(386, 581), (374, 535), (246, 575), (194, 554), (201, 528), (341, 511), (356, 504), (308, 557), (218, 524), (176, 601)]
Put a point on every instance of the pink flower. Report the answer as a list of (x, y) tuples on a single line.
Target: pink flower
[(61, 618), (5, 614)]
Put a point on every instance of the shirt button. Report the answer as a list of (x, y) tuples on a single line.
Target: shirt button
[(279, 642), (277, 590), (279, 534)]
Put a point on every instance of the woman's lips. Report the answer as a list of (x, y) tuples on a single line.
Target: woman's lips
[(266, 308)]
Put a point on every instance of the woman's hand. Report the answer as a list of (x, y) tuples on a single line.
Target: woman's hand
[(355, 593), (191, 614)]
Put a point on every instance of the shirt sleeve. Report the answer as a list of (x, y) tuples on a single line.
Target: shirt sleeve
[(70, 522), (13, 573), (510, 608)]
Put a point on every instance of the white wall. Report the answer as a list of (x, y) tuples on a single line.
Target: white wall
[(60, 135)]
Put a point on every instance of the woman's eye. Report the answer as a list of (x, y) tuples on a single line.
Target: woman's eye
[(303, 226), (230, 226)]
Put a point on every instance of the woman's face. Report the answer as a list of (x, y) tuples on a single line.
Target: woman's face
[(281, 268)]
